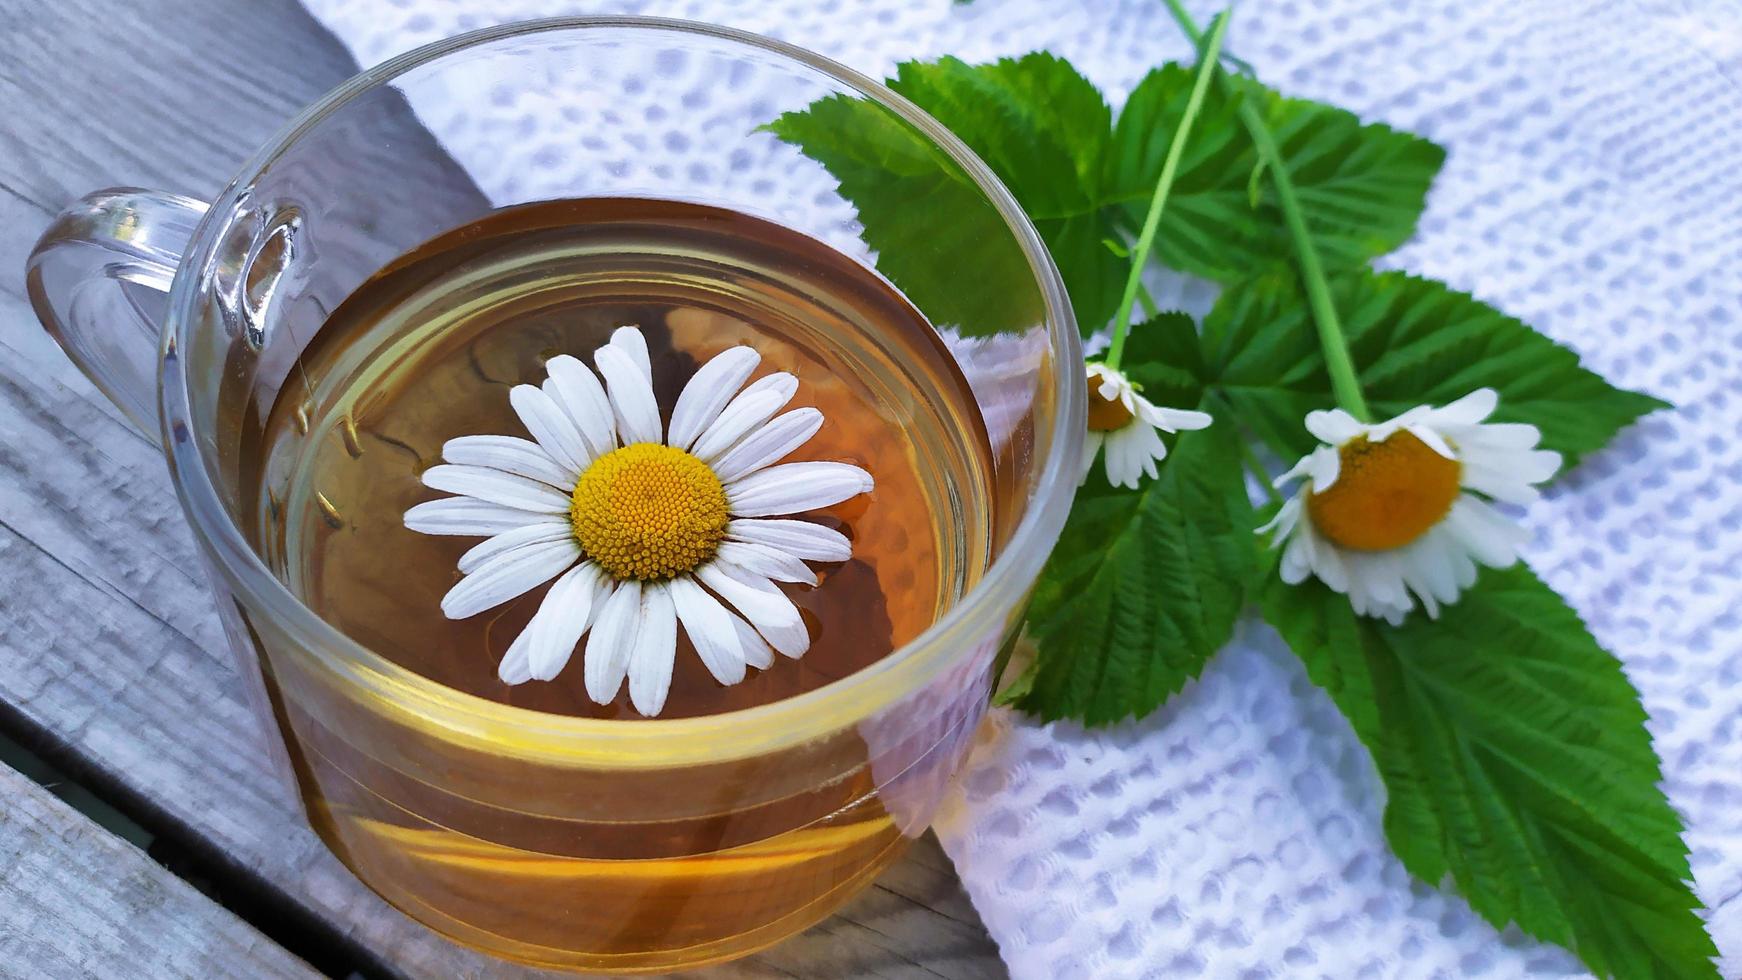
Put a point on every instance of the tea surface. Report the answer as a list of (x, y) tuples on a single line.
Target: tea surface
[(429, 347)]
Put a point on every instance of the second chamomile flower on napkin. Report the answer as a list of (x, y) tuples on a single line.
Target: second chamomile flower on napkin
[(1404, 510)]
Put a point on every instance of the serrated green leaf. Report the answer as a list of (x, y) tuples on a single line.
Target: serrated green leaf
[(1164, 359), (1143, 587), (1043, 129), (1027, 117), (1415, 342), (892, 174), (1039, 125), (1362, 187), (1048, 135), (1018, 689), (1516, 760)]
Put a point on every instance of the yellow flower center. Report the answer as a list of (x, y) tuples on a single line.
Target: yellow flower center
[(1386, 495), (1106, 414), (648, 511)]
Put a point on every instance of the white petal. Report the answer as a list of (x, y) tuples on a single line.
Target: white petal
[(630, 341), (1508, 476), (508, 576), (1106, 381), (564, 615), (550, 425), (1419, 415), (757, 652), (1463, 565), (1432, 440), (1485, 532), (1470, 409), (610, 642), (1497, 436), (497, 487), (752, 407), (544, 532), (1334, 427), (1325, 466), (1416, 577), (709, 627), (1504, 485), (631, 396), (1442, 565), (577, 390), (1171, 419), (1537, 466), (1302, 467), (1146, 444), (773, 563), (768, 444), (1286, 517), (707, 393), (759, 601), (1121, 466), (510, 454), (513, 669), (1297, 560), (1432, 568), (1376, 584), (655, 650), (792, 488), (1324, 558), (812, 542), (468, 517), (1387, 580), (1132, 452)]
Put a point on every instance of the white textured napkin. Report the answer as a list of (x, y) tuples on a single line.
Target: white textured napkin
[(1594, 188)]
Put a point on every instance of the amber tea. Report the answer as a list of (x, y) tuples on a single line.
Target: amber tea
[(427, 350)]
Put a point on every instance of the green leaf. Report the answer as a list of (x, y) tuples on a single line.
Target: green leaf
[(1164, 359), (1143, 587), (1415, 342), (1362, 187), (891, 172), (1040, 126), (1043, 129), (1048, 135), (1017, 690), (1029, 118), (1516, 760)]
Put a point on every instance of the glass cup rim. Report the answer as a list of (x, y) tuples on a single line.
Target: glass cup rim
[(561, 739)]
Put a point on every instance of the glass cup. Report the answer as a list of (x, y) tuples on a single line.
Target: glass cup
[(560, 841)]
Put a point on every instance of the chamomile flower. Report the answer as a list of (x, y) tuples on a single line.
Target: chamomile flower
[(647, 528), (1402, 511), (1128, 426)]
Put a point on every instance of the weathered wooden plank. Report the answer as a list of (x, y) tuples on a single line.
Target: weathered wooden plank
[(109, 652), (76, 901)]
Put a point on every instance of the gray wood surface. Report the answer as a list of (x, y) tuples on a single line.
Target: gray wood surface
[(75, 900), (111, 659)]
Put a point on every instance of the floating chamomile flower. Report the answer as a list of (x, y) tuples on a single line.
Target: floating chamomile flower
[(1128, 426), (1387, 510), (649, 529)]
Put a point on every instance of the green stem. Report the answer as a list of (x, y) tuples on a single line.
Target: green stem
[(1148, 301), (1341, 367), (1169, 166)]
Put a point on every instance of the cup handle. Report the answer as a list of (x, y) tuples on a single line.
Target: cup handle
[(88, 276)]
